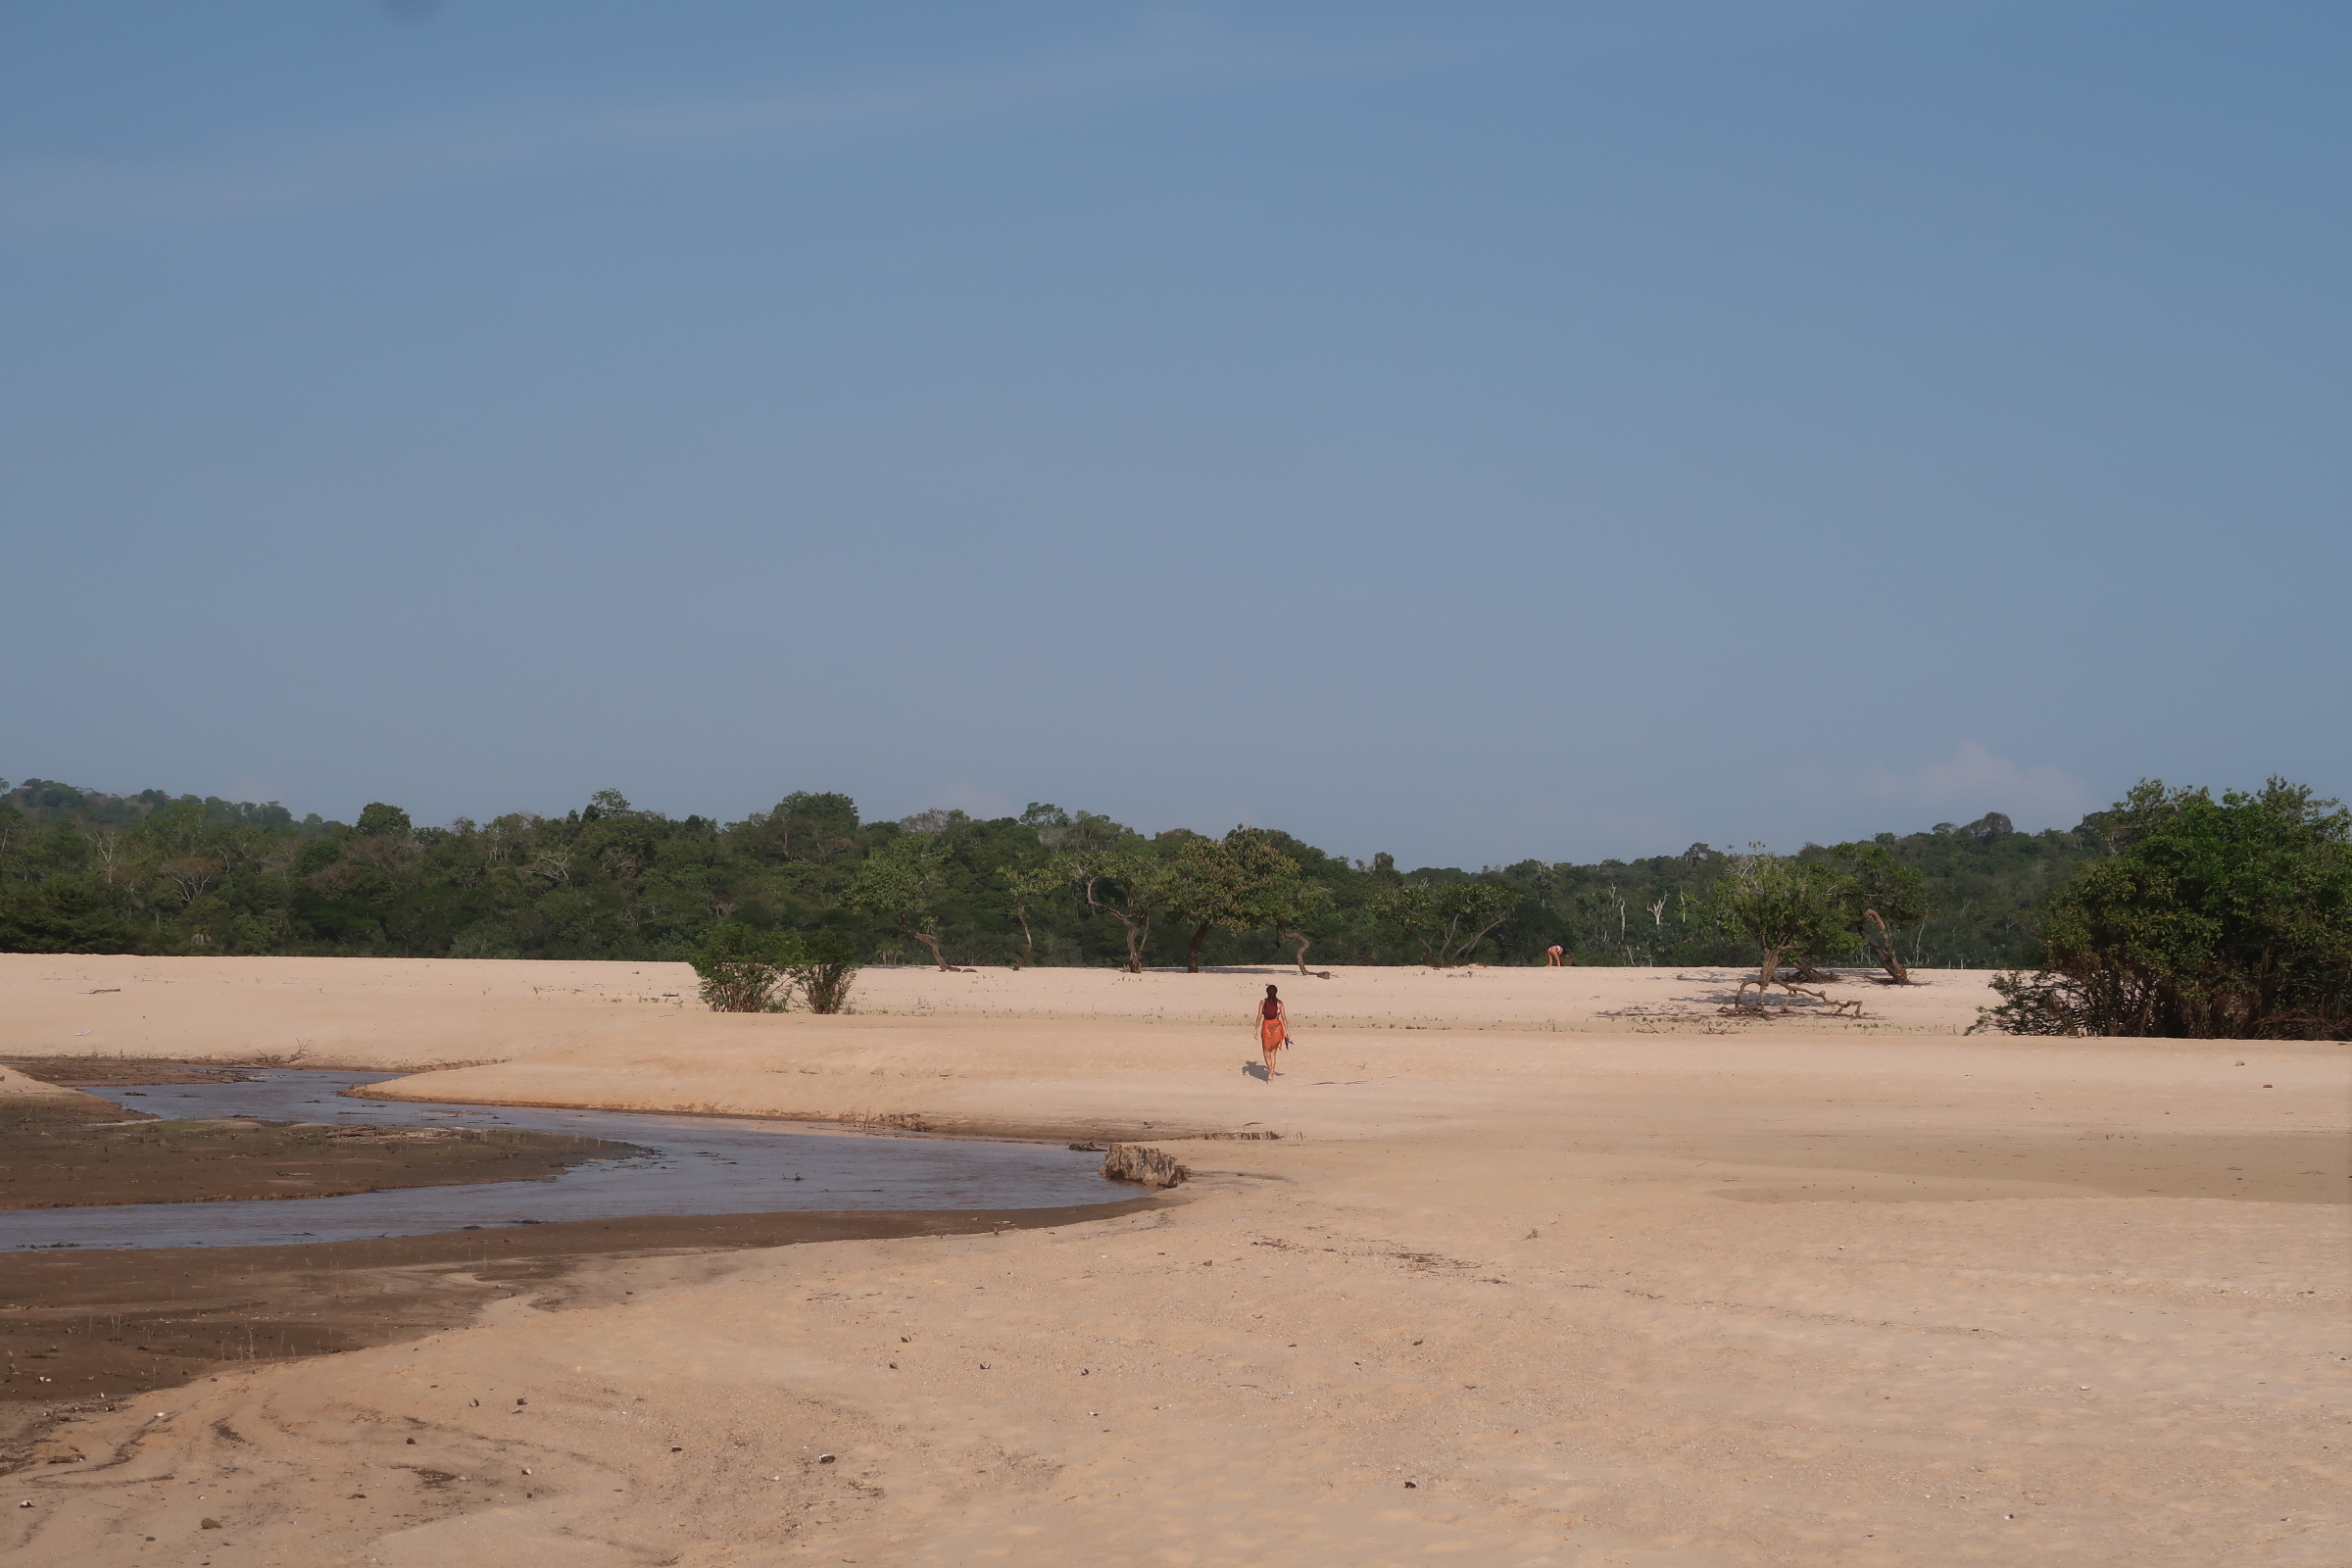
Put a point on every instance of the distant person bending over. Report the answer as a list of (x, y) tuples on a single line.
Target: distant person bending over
[(1555, 957), (1273, 1028)]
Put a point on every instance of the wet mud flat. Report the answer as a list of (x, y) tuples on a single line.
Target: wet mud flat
[(94, 1151), (87, 1321), (85, 1331), (86, 1149), (62, 1166), (77, 1075), (684, 1166), (120, 1072)]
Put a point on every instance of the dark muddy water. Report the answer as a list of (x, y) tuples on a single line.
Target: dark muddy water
[(692, 1165)]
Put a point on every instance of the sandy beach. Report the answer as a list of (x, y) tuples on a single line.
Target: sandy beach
[(1545, 1268)]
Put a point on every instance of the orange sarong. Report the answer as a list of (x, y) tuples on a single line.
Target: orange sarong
[(1270, 1034)]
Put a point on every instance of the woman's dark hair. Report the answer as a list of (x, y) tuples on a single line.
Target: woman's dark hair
[(1269, 991)]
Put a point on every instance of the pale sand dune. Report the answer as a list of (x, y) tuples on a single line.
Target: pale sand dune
[(400, 1011), (1607, 1290)]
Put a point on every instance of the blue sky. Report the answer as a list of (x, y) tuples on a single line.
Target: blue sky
[(1471, 431)]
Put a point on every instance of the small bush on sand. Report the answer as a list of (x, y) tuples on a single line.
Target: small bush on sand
[(745, 969), (822, 967), (742, 969)]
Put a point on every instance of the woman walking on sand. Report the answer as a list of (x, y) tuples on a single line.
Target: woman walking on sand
[(1273, 1028)]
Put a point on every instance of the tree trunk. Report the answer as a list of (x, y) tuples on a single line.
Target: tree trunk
[(1135, 946), (1883, 947), (1192, 953), (1445, 957), (932, 942), (1028, 941), (1303, 940)]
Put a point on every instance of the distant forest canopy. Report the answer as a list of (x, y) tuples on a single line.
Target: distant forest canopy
[(84, 871)]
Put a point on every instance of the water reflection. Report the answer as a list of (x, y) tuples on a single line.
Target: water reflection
[(690, 1165)]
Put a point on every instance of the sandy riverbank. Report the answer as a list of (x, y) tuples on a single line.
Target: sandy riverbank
[(1608, 1278)]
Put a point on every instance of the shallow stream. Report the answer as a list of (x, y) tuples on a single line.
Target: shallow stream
[(690, 1165)]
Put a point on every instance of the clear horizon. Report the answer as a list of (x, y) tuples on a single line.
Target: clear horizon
[(1567, 432)]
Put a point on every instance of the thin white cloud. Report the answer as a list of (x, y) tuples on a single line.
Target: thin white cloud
[(255, 788), (1172, 51), (1172, 55), (1972, 781), (1958, 788)]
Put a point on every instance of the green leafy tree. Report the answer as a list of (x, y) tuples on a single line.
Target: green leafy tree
[(902, 884), (2211, 919), (62, 914), (1446, 923), (1224, 884), (807, 829), (1131, 885), (378, 820), (604, 805), (1029, 886), (1783, 906), (1087, 833), (1882, 893), (1290, 904), (743, 969)]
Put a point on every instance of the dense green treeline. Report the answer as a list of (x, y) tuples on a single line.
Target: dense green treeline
[(85, 871)]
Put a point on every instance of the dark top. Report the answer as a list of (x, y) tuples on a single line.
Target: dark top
[(1269, 1008)]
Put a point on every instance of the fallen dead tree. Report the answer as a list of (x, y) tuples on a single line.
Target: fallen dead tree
[(1744, 1005)]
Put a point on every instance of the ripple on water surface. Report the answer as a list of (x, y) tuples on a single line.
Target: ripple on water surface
[(690, 1165)]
